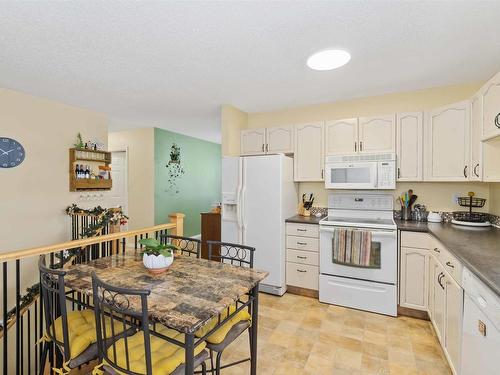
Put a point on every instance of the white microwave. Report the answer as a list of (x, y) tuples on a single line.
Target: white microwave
[(365, 171)]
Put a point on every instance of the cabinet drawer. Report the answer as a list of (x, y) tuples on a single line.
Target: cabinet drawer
[(302, 243), (302, 275), (414, 239), (452, 265), (303, 230), (302, 257)]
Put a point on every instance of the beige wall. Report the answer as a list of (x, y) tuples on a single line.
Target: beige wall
[(139, 144), (437, 196), (495, 198), (376, 105), (232, 121), (34, 195)]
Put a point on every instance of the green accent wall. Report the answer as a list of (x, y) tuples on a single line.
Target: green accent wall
[(198, 187)]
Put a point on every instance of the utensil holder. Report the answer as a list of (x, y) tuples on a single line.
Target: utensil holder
[(406, 213)]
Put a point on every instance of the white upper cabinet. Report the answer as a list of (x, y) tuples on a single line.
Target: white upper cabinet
[(279, 139), (309, 152), (476, 146), (341, 137), (409, 146), (253, 141), (447, 141), (490, 94), (377, 134)]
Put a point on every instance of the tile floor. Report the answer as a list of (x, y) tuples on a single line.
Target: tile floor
[(299, 335)]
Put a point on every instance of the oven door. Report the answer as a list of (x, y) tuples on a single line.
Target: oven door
[(351, 175), (384, 255)]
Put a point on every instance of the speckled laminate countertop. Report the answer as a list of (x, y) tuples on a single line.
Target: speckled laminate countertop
[(477, 248), (304, 219)]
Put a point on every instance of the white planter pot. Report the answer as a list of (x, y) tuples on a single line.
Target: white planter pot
[(157, 262)]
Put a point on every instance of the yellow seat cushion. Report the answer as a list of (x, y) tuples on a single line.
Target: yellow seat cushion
[(81, 330), (165, 356), (218, 336)]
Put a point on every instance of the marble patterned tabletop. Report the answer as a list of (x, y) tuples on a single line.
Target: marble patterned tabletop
[(184, 298)]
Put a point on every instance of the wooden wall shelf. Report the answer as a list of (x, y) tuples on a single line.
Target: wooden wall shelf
[(94, 158)]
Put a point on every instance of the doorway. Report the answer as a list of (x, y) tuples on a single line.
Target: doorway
[(118, 196)]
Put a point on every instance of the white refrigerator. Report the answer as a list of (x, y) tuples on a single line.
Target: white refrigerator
[(258, 194)]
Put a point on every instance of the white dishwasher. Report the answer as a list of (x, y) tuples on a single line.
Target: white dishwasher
[(481, 328)]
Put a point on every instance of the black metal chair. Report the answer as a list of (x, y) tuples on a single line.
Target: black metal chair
[(147, 351), (72, 332), (187, 245), (236, 255)]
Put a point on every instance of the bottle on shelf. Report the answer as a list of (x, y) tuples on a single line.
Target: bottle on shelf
[(77, 171), (87, 172)]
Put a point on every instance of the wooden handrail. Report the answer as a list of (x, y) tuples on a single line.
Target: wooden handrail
[(19, 254)]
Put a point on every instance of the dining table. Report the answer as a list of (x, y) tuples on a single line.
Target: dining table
[(191, 293)]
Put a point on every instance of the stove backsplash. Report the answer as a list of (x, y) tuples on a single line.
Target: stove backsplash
[(448, 216)]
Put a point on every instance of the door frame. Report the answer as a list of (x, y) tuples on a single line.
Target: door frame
[(123, 149)]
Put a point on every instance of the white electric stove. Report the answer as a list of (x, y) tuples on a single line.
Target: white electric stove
[(371, 288)]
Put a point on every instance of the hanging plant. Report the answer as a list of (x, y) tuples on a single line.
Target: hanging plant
[(174, 169)]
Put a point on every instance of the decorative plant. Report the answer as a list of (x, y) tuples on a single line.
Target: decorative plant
[(174, 167), (79, 141), (154, 247)]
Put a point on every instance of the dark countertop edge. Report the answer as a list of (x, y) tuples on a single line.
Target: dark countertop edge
[(423, 228), (304, 219)]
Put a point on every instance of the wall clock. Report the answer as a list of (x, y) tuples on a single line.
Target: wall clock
[(11, 153)]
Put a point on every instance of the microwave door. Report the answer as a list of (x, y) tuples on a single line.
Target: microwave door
[(351, 176)]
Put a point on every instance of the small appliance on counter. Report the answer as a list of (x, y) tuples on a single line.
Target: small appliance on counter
[(471, 218), (434, 217)]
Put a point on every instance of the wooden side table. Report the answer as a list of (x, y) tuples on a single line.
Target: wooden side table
[(210, 231)]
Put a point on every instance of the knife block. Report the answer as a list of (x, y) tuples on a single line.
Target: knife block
[(302, 211)]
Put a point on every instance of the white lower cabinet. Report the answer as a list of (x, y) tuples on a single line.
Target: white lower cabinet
[(302, 255), (430, 279), (414, 278)]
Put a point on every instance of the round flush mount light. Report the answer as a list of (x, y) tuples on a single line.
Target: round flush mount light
[(328, 59)]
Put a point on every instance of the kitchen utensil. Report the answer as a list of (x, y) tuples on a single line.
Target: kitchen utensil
[(406, 213)]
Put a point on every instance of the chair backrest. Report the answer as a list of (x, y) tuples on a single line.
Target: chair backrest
[(54, 305), (237, 255), (112, 310), (187, 246)]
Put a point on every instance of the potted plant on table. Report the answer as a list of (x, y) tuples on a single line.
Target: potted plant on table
[(157, 257)]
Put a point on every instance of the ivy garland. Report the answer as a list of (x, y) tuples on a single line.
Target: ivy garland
[(174, 167), (31, 293)]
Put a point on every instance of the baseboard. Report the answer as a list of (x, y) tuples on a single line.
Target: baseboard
[(412, 313), (302, 291)]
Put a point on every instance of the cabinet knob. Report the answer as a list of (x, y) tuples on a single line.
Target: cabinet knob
[(301, 230), (263, 147), (267, 147), (475, 169), (449, 264), (465, 171), (360, 146), (399, 173), (497, 121), (300, 257), (437, 250), (301, 270), (301, 243), (355, 146)]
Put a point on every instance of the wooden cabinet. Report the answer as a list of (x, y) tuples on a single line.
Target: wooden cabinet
[(98, 162), (454, 301), (302, 258), (341, 137), (414, 278), (409, 146), (279, 139), (253, 141), (490, 95), (377, 134), (476, 146), (309, 152), (210, 231), (447, 137)]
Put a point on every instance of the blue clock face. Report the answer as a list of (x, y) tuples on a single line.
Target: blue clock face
[(11, 153)]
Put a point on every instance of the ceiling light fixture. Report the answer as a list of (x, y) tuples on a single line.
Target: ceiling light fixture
[(328, 59)]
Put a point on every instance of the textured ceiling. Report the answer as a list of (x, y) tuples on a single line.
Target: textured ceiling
[(172, 64)]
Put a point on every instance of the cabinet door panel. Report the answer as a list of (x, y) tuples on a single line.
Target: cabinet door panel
[(491, 107), (280, 139), (309, 156), (414, 266), (253, 141), (341, 137), (476, 154), (454, 314), (377, 134), (447, 134), (410, 146)]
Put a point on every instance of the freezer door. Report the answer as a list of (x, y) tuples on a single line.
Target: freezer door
[(263, 226), (231, 226)]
